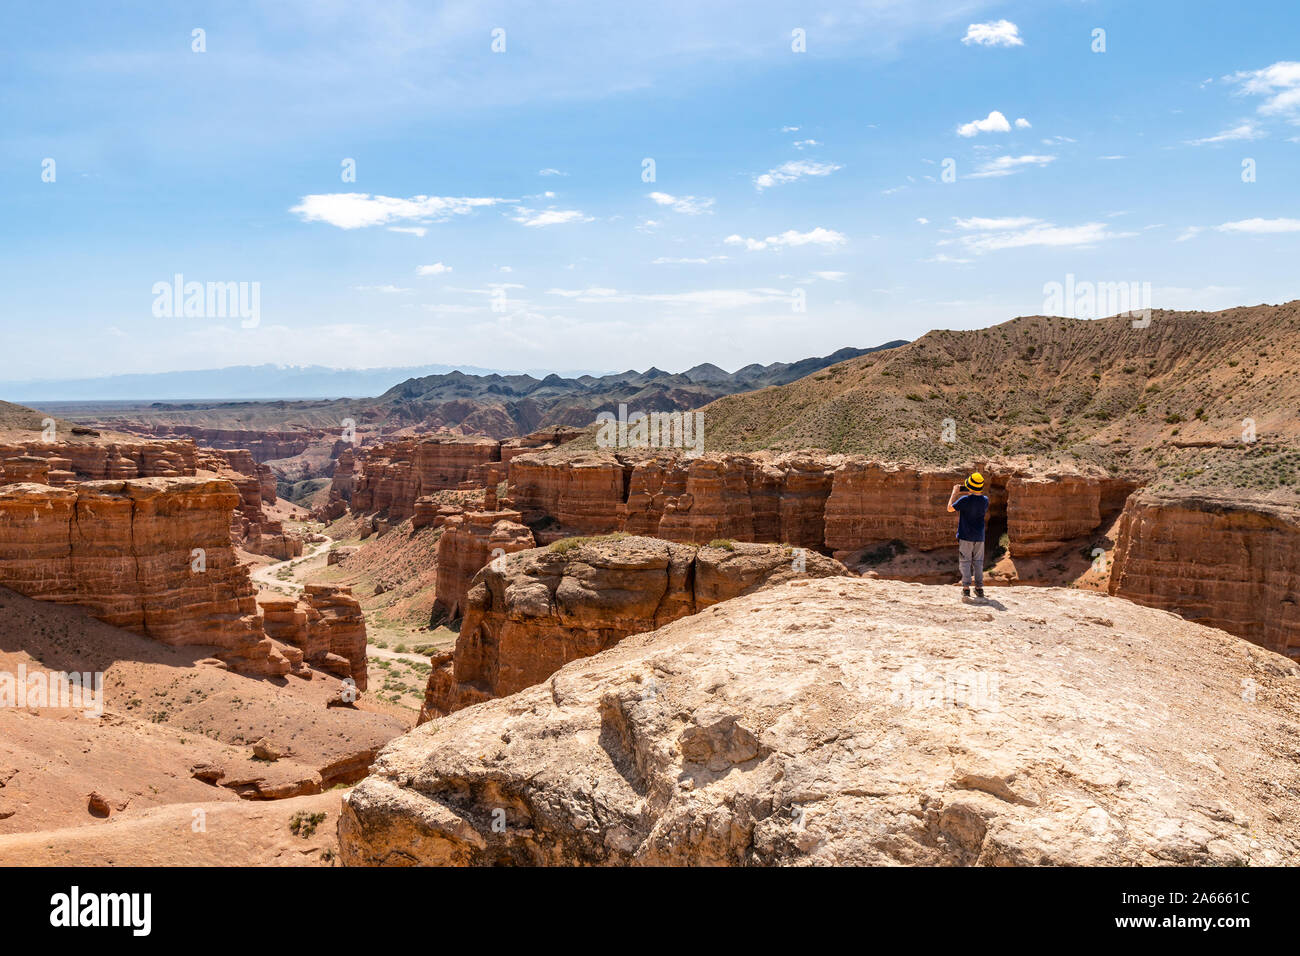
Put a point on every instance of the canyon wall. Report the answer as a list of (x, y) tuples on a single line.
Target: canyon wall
[(872, 503), (833, 503), (1224, 562), (530, 613), (389, 477), (262, 444), (111, 459), (152, 555), (581, 493), (251, 528), (341, 486), (468, 542)]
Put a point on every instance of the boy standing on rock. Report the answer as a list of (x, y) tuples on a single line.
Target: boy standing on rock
[(972, 505)]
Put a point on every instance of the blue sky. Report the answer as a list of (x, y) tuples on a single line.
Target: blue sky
[(499, 215)]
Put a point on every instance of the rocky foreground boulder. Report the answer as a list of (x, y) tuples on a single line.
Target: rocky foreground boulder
[(852, 721)]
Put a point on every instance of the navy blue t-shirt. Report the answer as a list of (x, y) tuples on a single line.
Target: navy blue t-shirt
[(971, 510)]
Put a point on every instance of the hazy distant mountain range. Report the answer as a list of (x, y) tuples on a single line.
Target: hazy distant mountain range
[(423, 382), (488, 403), (236, 382)]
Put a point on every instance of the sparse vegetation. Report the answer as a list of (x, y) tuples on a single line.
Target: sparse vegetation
[(304, 824)]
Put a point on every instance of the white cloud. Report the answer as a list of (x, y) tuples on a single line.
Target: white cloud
[(995, 122), (1259, 226), (386, 289), (922, 220), (549, 217), (801, 143), (589, 293), (1279, 84), (548, 171), (1023, 123), (1006, 165), (795, 169), (705, 299), (410, 230), (831, 276), (690, 205), (457, 309), (436, 269), (992, 235), (987, 225), (1246, 130), (358, 210), (994, 33), (789, 129), (674, 260), (817, 236)]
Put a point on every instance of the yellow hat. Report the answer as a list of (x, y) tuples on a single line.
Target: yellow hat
[(975, 482)]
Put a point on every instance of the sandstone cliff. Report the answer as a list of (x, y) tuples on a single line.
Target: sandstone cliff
[(251, 528), (1224, 562), (389, 477), (326, 624), (528, 614), (104, 460), (152, 555), (469, 541), (831, 503), (852, 722)]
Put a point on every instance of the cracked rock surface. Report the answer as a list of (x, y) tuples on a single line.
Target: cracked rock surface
[(856, 721)]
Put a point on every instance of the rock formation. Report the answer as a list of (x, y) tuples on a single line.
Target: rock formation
[(837, 504), (871, 502), (857, 722), (151, 555), (391, 477), (469, 541), (1224, 562), (341, 485), (529, 614), (582, 493), (326, 625), (1047, 513), (25, 468), (100, 461), (251, 528)]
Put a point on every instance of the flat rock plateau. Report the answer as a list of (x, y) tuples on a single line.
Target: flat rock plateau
[(851, 721)]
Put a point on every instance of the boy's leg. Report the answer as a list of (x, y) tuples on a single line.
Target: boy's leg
[(964, 561), (977, 560)]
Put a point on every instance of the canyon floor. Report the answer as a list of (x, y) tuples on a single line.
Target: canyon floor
[(177, 728)]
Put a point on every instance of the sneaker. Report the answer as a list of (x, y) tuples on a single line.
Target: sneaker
[(979, 592), (965, 592)]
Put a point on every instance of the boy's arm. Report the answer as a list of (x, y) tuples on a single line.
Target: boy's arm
[(957, 492)]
